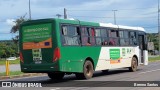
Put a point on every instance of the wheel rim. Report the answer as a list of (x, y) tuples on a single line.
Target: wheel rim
[(134, 65), (88, 69)]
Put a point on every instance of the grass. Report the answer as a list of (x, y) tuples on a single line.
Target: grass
[(17, 61), (12, 73), (152, 59), (3, 62)]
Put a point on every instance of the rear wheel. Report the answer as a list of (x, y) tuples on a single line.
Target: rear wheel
[(134, 64), (87, 71), (56, 75)]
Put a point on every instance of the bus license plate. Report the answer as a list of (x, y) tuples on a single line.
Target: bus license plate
[(37, 56)]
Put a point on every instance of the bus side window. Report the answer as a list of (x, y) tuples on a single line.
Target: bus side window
[(70, 35), (113, 40), (104, 36), (133, 40), (87, 35), (98, 36), (84, 36), (124, 38), (91, 32), (64, 32)]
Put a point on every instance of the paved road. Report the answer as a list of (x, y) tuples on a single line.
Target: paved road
[(13, 67), (144, 73)]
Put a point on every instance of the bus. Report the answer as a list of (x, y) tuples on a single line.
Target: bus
[(61, 46)]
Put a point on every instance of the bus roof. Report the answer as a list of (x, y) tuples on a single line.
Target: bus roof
[(108, 25), (76, 21), (121, 26)]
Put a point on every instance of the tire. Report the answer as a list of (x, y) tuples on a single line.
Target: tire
[(134, 64), (105, 71), (56, 75), (87, 71)]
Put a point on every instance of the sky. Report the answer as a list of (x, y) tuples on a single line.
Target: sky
[(141, 13)]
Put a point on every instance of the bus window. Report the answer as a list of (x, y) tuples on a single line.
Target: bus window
[(98, 36), (70, 35), (124, 38), (87, 35), (113, 40), (133, 40), (104, 36)]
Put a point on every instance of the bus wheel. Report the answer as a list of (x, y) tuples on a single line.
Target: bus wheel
[(134, 64), (87, 71), (56, 75)]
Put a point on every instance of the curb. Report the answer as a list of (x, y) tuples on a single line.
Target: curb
[(22, 75)]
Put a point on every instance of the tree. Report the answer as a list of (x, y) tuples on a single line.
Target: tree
[(16, 27), (153, 37), (8, 49), (3, 50)]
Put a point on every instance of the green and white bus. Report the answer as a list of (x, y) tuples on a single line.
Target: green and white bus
[(61, 46)]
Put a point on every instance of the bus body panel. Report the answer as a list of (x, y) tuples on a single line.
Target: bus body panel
[(72, 58), (46, 64), (124, 58)]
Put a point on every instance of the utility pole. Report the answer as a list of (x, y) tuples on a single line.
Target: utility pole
[(58, 15), (158, 28), (65, 13), (30, 10), (115, 16)]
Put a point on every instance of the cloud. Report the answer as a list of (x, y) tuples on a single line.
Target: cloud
[(10, 22), (127, 13)]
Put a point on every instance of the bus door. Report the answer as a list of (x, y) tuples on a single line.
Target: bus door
[(141, 48), (143, 53)]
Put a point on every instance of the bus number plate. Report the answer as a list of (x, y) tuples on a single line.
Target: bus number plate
[(37, 56)]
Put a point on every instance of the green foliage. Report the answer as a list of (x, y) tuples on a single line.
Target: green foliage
[(8, 49), (16, 27), (3, 62), (153, 37), (151, 59), (12, 73)]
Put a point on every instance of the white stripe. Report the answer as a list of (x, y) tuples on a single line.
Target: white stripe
[(55, 89), (121, 26), (149, 71)]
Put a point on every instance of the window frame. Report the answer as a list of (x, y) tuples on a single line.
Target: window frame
[(108, 37), (136, 37), (84, 26), (125, 38), (62, 36)]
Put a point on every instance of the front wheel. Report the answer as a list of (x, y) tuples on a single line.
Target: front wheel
[(134, 64), (56, 75), (87, 71)]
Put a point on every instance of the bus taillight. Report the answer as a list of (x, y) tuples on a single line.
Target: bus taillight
[(21, 57), (57, 54)]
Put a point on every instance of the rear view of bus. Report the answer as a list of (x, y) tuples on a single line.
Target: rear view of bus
[(37, 46)]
